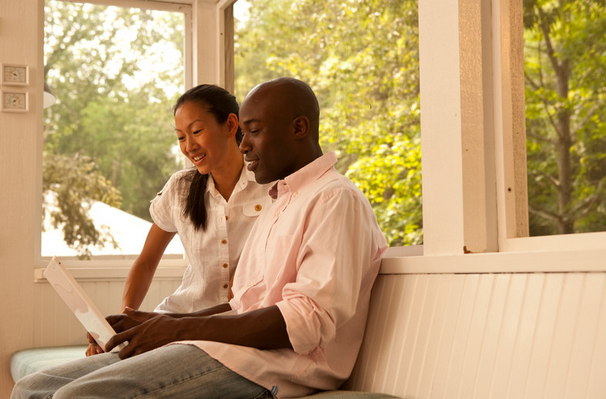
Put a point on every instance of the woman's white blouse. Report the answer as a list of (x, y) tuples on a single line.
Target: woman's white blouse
[(212, 253)]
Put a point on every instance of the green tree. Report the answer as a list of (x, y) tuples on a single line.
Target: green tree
[(109, 111), (361, 59), (71, 184), (565, 61)]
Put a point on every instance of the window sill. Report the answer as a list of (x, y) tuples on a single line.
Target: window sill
[(113, 273), (402, 261)]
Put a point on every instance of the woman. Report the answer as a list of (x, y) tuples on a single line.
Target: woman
[(211, 206)]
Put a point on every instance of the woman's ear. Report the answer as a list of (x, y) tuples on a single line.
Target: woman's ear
[(300, 127), (232, 125)]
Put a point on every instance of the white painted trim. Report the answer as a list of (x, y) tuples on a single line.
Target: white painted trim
[(577, 242), (586, 260), (187, 10), (188, 69), (145, 4), (503, 122), (112, 273), (441, 127), (223, 4), (206, 44)]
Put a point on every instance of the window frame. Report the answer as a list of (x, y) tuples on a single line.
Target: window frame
[(472, 100), (206, 22), (479, 47)]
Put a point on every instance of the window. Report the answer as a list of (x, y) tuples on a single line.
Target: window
[(109, 140), (361, 59), (564, 50)]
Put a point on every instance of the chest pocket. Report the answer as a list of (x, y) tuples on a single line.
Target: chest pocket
[(254, 208)]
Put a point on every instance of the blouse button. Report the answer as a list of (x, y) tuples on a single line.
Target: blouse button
[(225, 265), (258, 207), (223, 241)]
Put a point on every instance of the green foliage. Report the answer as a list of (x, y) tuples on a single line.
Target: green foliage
[(361, 59), (565, 60), (73, 183), (111, 110)]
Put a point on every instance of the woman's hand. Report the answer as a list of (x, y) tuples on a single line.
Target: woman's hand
[(93, 346)]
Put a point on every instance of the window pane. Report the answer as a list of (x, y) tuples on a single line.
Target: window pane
[(109, 140), (565, 54), (361, 59)]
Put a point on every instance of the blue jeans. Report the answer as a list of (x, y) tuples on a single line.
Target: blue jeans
[(175, 371)]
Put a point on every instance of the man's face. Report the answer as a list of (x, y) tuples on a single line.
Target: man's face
[(268, 137)]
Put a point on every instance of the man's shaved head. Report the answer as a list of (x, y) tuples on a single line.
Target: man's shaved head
[(293, 96), (280, 120)]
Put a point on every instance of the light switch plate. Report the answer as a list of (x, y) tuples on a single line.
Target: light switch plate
[(15, 75), (13, 101)]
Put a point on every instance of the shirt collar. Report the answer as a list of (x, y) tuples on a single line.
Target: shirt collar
[(246, 176), (310, 172)]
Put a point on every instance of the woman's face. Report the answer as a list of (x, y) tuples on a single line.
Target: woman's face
[(203, 140)]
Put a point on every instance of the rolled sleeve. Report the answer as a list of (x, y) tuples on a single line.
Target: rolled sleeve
[(307, 325), (333, 265)]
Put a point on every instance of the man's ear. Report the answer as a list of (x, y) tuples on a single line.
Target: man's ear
[(232, 125), (300, 127)]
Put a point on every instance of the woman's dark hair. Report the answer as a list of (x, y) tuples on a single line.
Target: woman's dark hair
[(219, 103)]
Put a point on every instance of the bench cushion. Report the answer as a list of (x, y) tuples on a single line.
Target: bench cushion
[(349, 395), (29, 361)]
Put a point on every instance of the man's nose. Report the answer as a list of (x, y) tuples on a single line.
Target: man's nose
[(244, 145)]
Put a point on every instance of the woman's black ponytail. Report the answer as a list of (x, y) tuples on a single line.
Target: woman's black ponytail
[(220, 103)]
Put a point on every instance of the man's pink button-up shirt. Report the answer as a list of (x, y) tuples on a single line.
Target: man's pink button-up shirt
[(315, 253)]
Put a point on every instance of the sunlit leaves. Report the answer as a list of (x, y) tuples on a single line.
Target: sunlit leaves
[(116, 73), (565, 54), (70, 185), (361, 59)]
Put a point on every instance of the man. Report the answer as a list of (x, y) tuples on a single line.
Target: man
[(301, 292)]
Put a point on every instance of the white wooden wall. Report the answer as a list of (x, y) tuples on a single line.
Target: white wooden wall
[(523, 335), (56, 325)]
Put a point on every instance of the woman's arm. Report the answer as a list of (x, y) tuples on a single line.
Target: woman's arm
[(143, 269), (140, 275)]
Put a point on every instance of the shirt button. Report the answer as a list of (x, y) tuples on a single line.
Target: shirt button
[(226, 217), (225, 265), (223, 241), (258, 207), (225, 286)]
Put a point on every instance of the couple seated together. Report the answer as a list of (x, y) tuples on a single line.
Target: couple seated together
[(307, 246)]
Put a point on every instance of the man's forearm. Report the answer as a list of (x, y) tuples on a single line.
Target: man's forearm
[(215, 310), (262, 328)]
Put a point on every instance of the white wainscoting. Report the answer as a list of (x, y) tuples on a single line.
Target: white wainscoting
[(525, 335), (55, 324)]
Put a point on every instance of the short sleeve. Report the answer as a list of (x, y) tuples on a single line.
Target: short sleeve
[(165, 206)]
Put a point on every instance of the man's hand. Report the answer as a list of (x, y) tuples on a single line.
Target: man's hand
[(144, 331), (119, 322), (263, 328)]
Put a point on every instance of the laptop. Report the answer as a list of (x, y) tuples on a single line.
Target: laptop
[(80, 304)]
